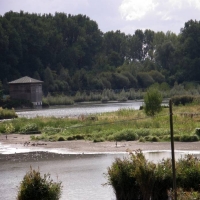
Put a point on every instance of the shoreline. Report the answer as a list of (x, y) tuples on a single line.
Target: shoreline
[(22, 147)]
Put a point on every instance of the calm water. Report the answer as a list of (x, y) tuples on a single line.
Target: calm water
[(80, 109), (82, 176)]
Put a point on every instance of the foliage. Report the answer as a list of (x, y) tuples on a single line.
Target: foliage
[(34, 186), (182, 99), (9, 128), (61, 139), (137, 178), (15, 103), (197, 132), (145, 79), (29, 128), (188, 173), (152, 102), (126, 135), (57, 100), (7, 113), (189, 138), (70, 53)]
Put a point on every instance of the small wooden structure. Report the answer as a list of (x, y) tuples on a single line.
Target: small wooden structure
[(27, 88)]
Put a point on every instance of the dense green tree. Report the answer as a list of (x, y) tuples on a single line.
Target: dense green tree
[(152, 102), (145, 79), (157, 76), (36, 76), (80, 57), (48, 85), (1, 90), (190, 49), (115, 47)]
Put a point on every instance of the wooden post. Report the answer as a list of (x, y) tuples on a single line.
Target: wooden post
[(172, 150)]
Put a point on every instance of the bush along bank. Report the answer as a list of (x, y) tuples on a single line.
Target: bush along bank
[(7, 113), (135, 178)]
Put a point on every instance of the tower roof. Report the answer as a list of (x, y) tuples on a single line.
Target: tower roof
[(25, 79)]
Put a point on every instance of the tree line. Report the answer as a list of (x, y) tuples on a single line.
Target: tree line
[(70, 53)]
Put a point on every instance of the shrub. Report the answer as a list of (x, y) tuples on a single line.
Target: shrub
[(152, 102), (32, 127), (76, 137), (142, 132), (136, 178), (182, 99), (176, 138), (126, 134), (7, 113), (9, 128), (57, 100), (189, 138), (16, 103), (188, 173), (34, 186), (61, 139), (124, 184), (142, 139), (197, 131), (154, 139)]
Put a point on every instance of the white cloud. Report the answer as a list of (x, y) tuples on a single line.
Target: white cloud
[(136, 9), (166, 10), (180, 4)]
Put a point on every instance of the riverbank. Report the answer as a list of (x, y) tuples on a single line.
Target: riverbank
[(20, 143)]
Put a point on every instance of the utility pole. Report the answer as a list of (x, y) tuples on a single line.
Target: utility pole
[(172, 150)]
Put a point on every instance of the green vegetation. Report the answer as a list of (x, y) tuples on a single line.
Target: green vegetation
[(57, 100), (122, 125), (34, 186), (7, 113), (152, 102), (71, 54), (15, 103), (137, 178), (29, 128), (180, 94)]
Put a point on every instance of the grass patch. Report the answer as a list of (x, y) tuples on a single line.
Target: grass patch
[(123, 125)]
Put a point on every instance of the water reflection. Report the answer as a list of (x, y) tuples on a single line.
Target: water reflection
[(157, 156)]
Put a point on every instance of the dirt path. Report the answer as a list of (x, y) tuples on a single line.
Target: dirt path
[(22, 141)]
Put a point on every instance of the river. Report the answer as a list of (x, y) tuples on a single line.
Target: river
[(79, 109), (82, 176)]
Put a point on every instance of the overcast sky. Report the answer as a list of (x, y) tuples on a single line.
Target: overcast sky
[(123, 15)]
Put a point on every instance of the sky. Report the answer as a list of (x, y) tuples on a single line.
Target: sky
[(111, 15)]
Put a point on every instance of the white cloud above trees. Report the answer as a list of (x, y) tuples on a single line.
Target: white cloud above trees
[(166, 10), (132, 10)]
